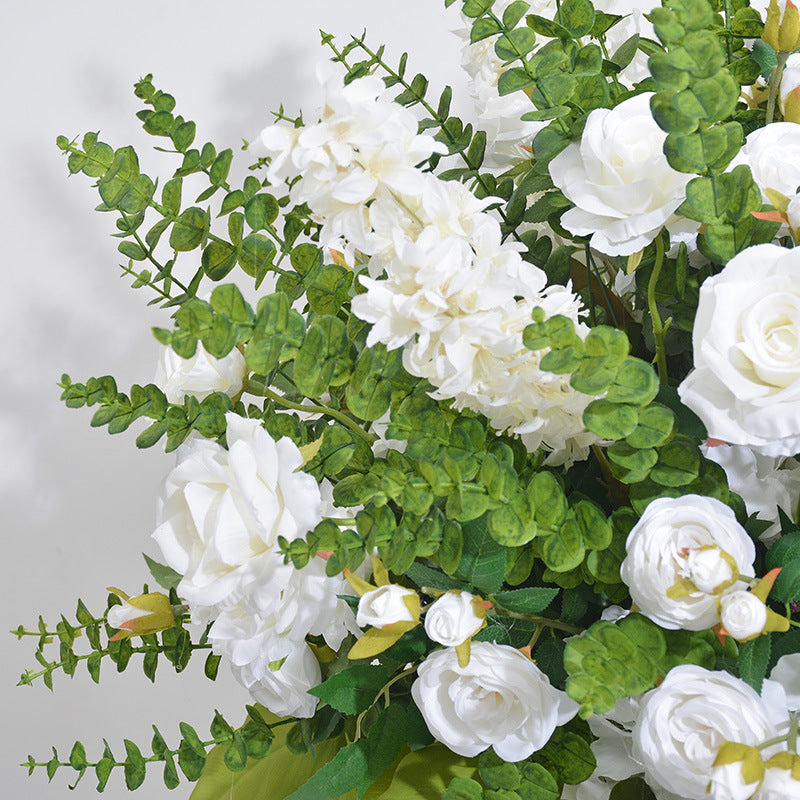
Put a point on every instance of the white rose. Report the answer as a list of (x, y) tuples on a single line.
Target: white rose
[(501, 699), (684, 722), (220, 513), (384, 606), (618, 177), (199, 375), (658, 550), (743, 615), (282, 685), (746, 383), (451, 619), (781, 778)]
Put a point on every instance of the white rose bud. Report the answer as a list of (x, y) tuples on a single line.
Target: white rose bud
[(384, 606), (781, 778), (199, 375), (711, 569), (658, 550), (743, 615), (737, 772), (500, 699), (452, 619)]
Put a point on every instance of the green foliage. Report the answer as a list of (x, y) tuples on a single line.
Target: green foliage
[(252, 740), (698, 88), (609, 661)]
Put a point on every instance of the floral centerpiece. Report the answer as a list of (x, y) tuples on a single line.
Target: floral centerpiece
[(485, 430)]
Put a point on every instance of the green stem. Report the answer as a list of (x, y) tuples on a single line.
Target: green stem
[(659, 329), (549, 623), (794, 725), (775, 84), (160, 267), (728, 30), (253, 387)]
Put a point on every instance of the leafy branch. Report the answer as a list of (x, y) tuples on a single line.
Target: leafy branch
[(251, 741), (175, 645)]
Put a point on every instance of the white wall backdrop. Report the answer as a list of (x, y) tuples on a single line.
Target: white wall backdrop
[(78, 504)]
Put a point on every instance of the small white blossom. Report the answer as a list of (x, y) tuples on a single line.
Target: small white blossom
[(743, 615), (384, 606), (451, 619)]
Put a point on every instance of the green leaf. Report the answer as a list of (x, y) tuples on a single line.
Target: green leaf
[(514, 13), (512, 525), (324, 356), (567, 755), (338, 776), (678, 463), (383, 744), (537, 783), (261, 211), (483, 28), (483, 560), (135, 770), (218, 259), (632, 789), (255, 254), (515, 44), (577, 16), (753, 660), (610, 420), (166, 577), (189, 230), (514, 80), (564, 550), (548, 499), (476, 8), (654, 427), (636, 382), (463, 789), (594, 526), (496, 773), (277, 334), (532, 600), (218, 173), (352, 690)]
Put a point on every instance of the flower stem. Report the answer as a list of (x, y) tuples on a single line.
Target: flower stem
[(545, 621), (794, 724), (253, 387), (775, 84), (659, 329)]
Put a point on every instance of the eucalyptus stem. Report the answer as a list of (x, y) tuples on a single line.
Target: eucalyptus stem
[(775, 78), (659, 329), (545, 621), (253, 387)]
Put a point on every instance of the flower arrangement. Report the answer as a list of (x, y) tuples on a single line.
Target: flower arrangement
[(485, 432)]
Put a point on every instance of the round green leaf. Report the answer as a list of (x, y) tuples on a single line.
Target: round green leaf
[(564, 550), (610, 420), (636, 382), (678, 463), (655, 426)]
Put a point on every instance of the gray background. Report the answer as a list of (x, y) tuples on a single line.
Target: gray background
[(78, 504)]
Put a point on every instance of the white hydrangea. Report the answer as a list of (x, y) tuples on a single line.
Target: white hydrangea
[(441, 282), (363, 141), (765, 483)]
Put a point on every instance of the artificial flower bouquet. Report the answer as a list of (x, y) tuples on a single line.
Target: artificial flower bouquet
[(485, 430)]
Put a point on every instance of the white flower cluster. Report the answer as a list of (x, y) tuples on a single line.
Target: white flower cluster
[(220, 514), (454, 295)]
